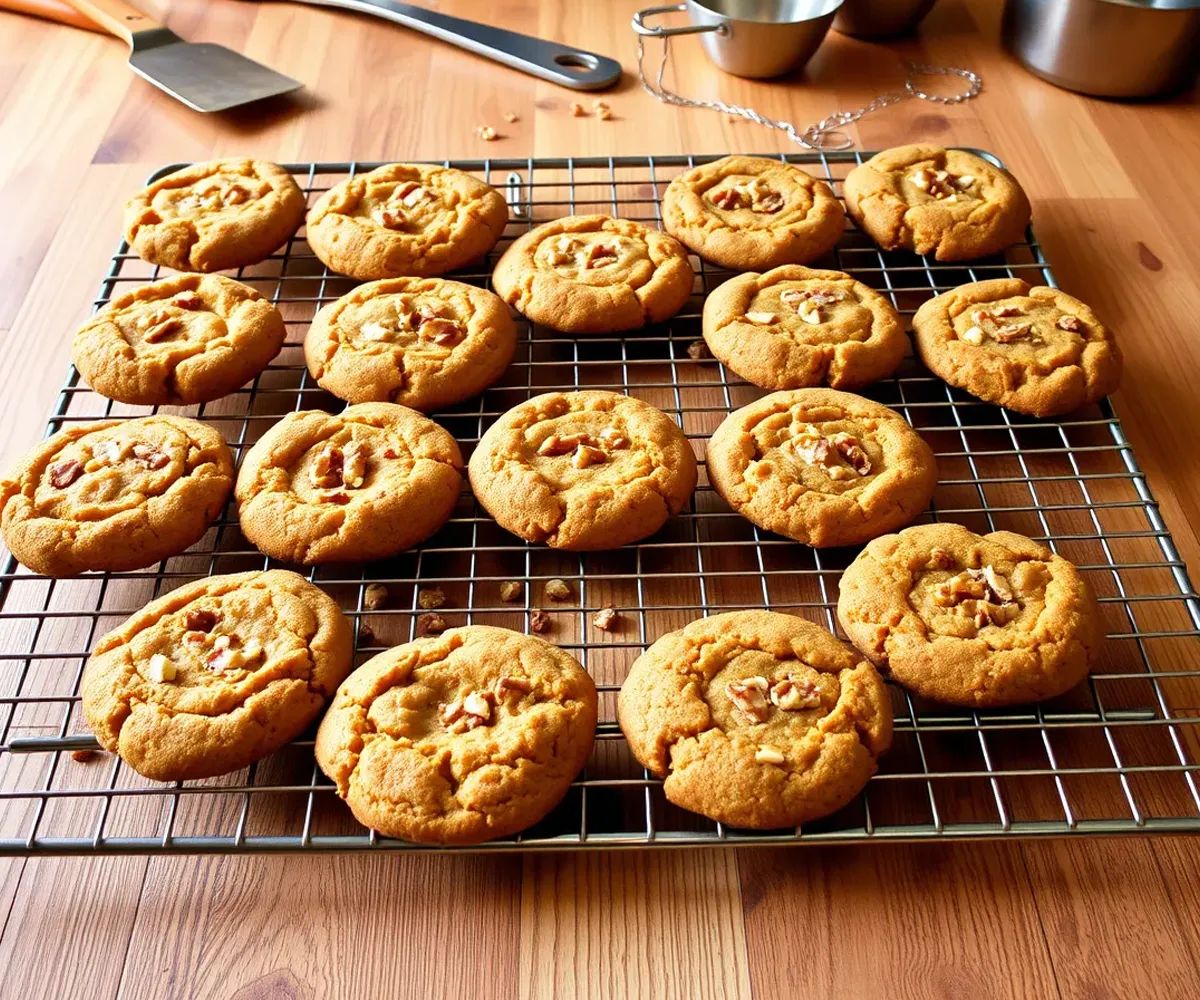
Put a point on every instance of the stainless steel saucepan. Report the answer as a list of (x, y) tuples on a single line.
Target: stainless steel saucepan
[(753, 38)]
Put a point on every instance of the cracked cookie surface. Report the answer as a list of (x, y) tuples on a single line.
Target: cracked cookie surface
[(756, 719), (360, 485), (927, 199), (594, 274), (820, 466), (974, 620), (750, 213), (214, 216), (458, 739), (420, 342), (583, 470), (216, 674), (115, 495), (794, 327), (1034, 350), (183, 340), (405, 220)]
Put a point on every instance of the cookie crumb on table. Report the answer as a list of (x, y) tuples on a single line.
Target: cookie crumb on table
[(511, 117), (83, 755), (578, 110), (431, 624), (558, 590), (606, 618), (486, 133), (375, 597), (431, 597)]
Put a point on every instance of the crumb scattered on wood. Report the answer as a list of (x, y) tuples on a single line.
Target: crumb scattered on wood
[(83, 755), (602, 109), (578, 110), (539, 621), (558, 590), (606, 618), (431, 597), (511, 117), (375, 597), (486, 133), (431, 624)]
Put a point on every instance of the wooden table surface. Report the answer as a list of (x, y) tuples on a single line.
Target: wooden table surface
[(1117, 206)]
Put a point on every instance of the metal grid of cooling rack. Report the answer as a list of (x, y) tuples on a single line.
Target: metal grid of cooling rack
[(1114, 756)]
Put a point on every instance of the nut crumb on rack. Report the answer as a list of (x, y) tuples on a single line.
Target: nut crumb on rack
[(431, 597), (375, 596), (558, 590), (606, 618), (486, 133), (511, 590), (539, 621), (365, 636), (698, 351), (431, 624)]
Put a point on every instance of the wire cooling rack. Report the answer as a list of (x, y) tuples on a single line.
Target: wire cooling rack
[(1116, 755)]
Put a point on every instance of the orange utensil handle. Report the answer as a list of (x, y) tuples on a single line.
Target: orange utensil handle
[(116, 17), (52, 10)]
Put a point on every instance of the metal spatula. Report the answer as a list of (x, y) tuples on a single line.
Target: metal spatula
[(205, 77)]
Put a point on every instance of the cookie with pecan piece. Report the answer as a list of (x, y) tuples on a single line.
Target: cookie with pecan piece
[(594, 274), (947, 202), (966, 619), (216, 674), (1034, 350), (583, 470), (823, 467), (796, 327), (405, 220), (749, 213), (115, 494), (756, 719), (360, 485), (214, 216), (420, 342), (459, 738), (183, 340)]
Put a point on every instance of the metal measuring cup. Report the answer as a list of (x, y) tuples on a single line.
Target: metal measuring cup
[(753, 38)]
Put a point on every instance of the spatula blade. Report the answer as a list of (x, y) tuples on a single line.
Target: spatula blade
[(208, 77)]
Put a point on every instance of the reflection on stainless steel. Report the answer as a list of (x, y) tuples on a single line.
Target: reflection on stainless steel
[(880, 18), (753, 38), (1110, 48)]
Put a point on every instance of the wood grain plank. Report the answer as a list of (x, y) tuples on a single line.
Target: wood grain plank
[(892, 921), (658, 924), (1109, 926), (331, 927)]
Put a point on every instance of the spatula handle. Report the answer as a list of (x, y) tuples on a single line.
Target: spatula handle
[(115, 17), (52, 10)]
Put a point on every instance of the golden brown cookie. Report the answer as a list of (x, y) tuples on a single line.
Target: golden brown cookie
[(187, 339), (756, 719), (214, 216), (422, 342), (216, 674), (794, 327), (465, 737), (947, 202), (594, 274), (749, 213), (405, 220), (970, 620), (583, 470), (360, 485), (1034, 350), (115, 494), (823, 467)]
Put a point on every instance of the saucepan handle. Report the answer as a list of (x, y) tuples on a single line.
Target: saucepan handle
[(642, 28)]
